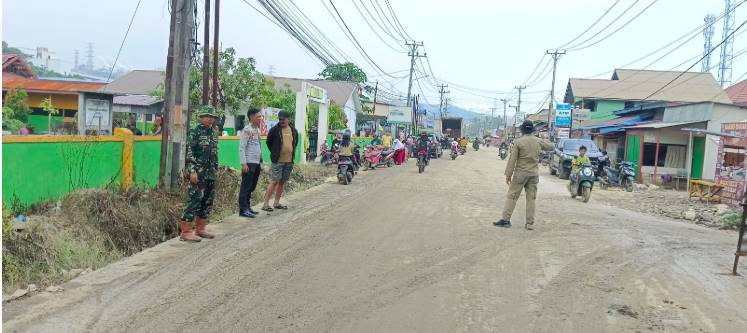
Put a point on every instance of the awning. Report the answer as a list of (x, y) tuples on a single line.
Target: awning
[(656, 125), (617, 122)]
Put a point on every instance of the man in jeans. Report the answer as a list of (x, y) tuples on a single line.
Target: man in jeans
[(282, 140), (250, 156)]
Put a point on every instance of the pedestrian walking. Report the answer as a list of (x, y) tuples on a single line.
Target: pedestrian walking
[(522, 172), (250, 156), (282, 140), (202, 155)]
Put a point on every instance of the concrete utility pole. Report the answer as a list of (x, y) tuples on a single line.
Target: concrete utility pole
[(555, 56), (505, 120), (376, 91), (176, 97), (518, 105), (442, 91), (516, 115), (216, 56), (413, 53), (206, 56), (446, 106)]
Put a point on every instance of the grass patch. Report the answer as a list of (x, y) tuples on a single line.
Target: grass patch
[(93, 227)]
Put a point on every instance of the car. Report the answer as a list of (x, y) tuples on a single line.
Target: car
[(566, 150)]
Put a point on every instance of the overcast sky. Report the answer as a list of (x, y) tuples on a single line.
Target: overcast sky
[(486, 44)]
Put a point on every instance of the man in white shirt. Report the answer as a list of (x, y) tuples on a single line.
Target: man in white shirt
[(250, 156)]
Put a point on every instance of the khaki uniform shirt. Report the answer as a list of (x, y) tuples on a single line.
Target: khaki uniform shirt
[(286, 152), (525, 155)]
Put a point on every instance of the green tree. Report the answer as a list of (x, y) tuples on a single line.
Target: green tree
[(337, 118), (17, 104), (238, 80), (269, 96), (47, 107), (344, 72)]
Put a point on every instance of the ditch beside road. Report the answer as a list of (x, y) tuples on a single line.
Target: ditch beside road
[(398, 251)]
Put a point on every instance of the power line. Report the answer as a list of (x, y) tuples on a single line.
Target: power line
[(591, 26), (605, 27), (726, 38), (374, 30), (618, 29), (132, 19)]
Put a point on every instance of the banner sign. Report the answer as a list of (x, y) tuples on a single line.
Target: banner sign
[(563, 115), (269, 119), (399, 115), (564, 133), (730, 163)]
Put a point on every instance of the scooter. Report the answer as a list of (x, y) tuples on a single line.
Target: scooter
[(422, 160), (454, 153), (623, 176), (503, 153), (582, 182), (345, 170), (376, 156)]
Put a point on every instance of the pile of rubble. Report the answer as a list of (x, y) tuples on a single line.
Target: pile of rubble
[(653, 200)]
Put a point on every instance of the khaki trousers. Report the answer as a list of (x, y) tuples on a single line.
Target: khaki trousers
[(528, 182)]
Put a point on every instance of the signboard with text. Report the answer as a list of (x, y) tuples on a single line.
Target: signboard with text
[(564, 132), (730, 163), (563, 115), (399, 115)]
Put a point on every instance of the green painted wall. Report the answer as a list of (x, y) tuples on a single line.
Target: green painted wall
[(34, 172), (39, 123), (146, 162), (605, 110)]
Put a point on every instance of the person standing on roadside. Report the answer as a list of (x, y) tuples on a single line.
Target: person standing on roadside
[(250, 156), (282, 140), (522, 172), (386, 141), (202, 155)]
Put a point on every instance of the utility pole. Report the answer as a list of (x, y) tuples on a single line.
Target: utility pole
[(442, 90), (446, 106), (206, 57), (555, 56), (176, 96), (413, 53), (518, 105), (505, 120), (376, 91), (216, 56), (516, 115)]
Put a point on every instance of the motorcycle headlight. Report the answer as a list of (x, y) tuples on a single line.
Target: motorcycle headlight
[(587, 172)]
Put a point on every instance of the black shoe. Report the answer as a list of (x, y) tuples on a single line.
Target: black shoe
[(502, 223), (247, 213), (252, 211)]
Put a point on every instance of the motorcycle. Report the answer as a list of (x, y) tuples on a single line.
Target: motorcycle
[(503, 153), (476, 146), (376, 156), (327, 157), (582, 182), (345, 170), (462, 150), (454, 153), (422, 160), (623, 176)]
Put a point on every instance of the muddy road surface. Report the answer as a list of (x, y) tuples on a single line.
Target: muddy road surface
[(399, 251)]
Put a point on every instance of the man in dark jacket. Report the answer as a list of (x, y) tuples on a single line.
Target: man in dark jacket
[(282, 140)]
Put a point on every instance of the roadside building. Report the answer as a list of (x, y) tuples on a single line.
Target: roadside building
[(67, 95), (134, 98)]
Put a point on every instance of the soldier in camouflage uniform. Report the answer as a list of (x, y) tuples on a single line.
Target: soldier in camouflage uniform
[(202, 156)]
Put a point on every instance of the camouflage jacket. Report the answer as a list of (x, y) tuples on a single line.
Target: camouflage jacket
[(202, 151)]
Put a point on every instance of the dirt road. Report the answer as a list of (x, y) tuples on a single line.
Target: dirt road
[(401, 252)]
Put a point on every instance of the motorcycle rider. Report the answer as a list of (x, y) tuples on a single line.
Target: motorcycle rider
[(578, 162), (347, 146), (454, 146), (522, 173), (424, 143)]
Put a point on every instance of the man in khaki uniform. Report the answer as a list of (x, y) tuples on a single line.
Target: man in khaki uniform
[(522, 173)]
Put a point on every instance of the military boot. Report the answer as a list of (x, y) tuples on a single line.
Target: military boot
[(186, 232)]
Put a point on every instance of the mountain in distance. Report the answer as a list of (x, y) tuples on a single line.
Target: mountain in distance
[(454, 111)]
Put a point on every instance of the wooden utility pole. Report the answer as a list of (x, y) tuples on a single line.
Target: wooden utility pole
[(216, 55), (176, 96), (206, 56)]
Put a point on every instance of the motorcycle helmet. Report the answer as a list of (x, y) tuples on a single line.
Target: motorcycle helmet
[(347, 134), (527, 127)]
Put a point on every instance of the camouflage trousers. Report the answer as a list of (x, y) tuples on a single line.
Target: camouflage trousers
[(199, 200)]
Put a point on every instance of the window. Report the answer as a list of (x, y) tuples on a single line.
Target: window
[(670, 156), (591, 105), (649, 154)]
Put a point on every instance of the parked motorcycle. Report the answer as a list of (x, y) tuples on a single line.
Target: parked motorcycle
[(503, 153), (345, 170), (582, 182), (376, 156), (327, 157), (422, 160), (623, 176)]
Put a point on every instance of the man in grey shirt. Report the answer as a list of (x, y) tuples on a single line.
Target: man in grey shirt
[(250, 156)]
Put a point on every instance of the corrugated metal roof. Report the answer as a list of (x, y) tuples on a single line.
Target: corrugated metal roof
[(738, 93), (48, 85), (137, 82), (140, 100), (14, 64), (656, 125), (636, 85)]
